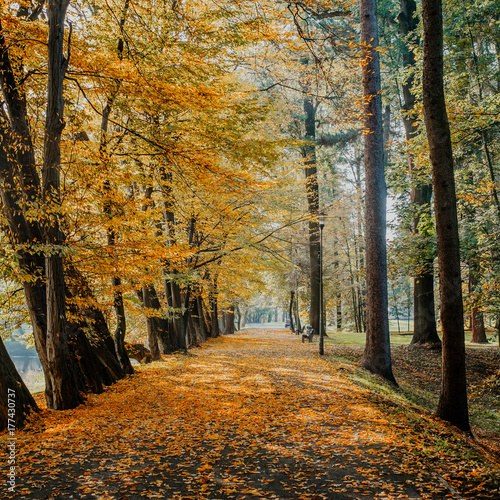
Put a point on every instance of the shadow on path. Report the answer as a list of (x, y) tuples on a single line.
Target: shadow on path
[(254, 415)]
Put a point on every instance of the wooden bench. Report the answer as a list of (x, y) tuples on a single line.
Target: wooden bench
[(308, 335)]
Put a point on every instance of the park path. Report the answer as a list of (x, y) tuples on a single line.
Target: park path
[(256, 415)]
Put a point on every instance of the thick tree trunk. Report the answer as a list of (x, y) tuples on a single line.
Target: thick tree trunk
[(377, 353), (298, 326), (238, 312), (425, 330), (453, 397), (65, 392), (199, 317), (90, 319), (16, 402), (178, 315), (19, 185), (229, 321), (166, 342)]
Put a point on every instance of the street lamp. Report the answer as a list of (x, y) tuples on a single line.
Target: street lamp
[(321, 332)]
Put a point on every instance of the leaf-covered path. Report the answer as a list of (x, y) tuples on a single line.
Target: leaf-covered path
[(255, 415)]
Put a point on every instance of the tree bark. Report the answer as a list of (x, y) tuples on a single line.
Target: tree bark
[(20, 186), (377, 353), (312, 191), (452, 404), (477, 317), (16, 402), (425, 330), (339, 311), (290, 309), (166, 343), (229, 321), (214, 312), (151, 324), (65, 393)]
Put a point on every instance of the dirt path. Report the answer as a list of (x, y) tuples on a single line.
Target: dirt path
[(257, 415)]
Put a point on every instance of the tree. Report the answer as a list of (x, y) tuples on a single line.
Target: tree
[(423, 284), (32, 215), (14, 395), (377, 353), (65, 390), (452, 404)]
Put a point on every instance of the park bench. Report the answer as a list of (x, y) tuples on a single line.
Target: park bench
[(308, 335)]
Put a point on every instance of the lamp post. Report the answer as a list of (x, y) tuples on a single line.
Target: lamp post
[(321, 332)]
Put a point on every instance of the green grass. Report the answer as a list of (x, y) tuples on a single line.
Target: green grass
[(359, 339), (346, 337)]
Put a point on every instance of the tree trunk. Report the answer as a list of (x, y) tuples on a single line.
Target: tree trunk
[(313, 208), (65, 393), (16, 402), (166, 341), (339, 311), (229, 321), (238, 311), (298, 326), (90, 319), (199, 316), (477, 317), (121, 328), (424, 329), (453, 397), (214, 312), (377, 353), (290, 309), (151, 325), (20, 184)]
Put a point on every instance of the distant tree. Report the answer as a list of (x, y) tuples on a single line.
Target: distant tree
[(452, 404)]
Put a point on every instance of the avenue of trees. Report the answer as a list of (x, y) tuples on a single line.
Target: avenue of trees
[(162, 164)]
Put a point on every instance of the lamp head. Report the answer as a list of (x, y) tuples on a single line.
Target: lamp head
[(321, 220)]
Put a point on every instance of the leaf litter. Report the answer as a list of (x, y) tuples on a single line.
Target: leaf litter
[(254, 415)]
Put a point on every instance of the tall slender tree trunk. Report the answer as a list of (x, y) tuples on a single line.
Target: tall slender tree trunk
[(477, 317), (339, 311), (452, 404), (151, 327), (377, 353), (312, 192), (65, 393), (425, 330), (298, 326), (214, 309), (172, 288), (118, 304), (290, 310)]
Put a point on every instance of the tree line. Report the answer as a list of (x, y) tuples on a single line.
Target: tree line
[(169, 162)]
